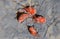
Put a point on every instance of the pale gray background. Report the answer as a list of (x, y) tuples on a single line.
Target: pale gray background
[(11, 29)]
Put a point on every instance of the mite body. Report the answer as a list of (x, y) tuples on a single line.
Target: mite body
[(21, 16), (32, 31), (31, 10), (39, 18)]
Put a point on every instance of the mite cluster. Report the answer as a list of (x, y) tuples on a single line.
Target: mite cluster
[(30, 11)]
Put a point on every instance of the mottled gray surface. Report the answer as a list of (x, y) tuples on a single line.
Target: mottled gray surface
[(11, 29)]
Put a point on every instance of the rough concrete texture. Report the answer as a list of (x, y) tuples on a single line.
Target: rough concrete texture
[(11, 29)]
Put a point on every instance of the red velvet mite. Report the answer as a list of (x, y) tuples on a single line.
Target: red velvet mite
[(30, 9), (21, 16), (32, 31), (39, 18)]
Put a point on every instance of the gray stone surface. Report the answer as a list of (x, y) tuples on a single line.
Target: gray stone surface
[(11, 29)]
